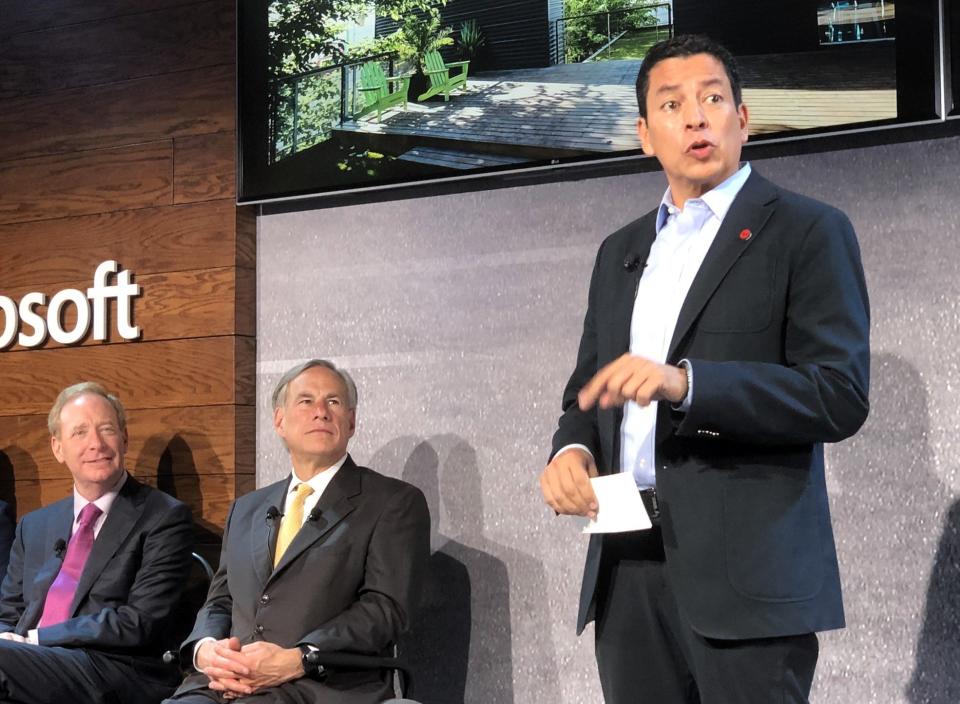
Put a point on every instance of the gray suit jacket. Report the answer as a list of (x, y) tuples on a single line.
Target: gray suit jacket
[(348, 581)]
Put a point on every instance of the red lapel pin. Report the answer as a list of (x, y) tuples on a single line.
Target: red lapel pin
[(745, 235)]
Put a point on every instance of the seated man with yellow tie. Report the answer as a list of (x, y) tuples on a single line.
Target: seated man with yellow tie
[(329, 558), (93, 578)]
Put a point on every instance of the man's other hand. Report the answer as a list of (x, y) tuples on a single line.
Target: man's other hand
[(270, 665), (632, 378), (565, 483), (222, 662)]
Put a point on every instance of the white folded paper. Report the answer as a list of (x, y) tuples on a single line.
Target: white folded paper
[(621, 508)]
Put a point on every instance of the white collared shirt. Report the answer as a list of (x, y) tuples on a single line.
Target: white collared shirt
[(103, 503), (317, 482), (682, 241)]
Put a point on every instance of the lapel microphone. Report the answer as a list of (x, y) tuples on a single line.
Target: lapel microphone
[(632, 261), (273, 513), (314, 514), (59, 548)]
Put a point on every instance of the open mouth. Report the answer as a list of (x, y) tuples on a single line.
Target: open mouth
[(701, 148)]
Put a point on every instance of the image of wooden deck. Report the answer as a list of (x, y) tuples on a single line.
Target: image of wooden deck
[(590, 108)]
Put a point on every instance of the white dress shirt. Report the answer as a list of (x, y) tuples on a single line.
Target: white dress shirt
[(682, 241)]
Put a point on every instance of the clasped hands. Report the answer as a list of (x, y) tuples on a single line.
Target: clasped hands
[(565, 482), (238, 671)]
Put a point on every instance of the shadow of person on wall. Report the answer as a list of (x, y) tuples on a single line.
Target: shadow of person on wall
[(172, 459), (885, 496), (936, 675), (467, 629), (16, 465)]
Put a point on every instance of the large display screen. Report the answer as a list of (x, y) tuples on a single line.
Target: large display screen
[(338, 95)]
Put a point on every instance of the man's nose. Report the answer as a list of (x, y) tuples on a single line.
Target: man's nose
[(694, 115)]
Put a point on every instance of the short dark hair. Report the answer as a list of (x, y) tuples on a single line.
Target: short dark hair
[(680, 47)]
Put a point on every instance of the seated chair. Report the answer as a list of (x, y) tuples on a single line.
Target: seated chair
[(380, 91), (441, 80)]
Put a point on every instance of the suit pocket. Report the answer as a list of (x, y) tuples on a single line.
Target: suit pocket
[(743, 302), (772, 539)]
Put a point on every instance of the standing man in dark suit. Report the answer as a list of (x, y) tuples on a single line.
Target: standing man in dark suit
[(330, 558), (93, 579), (726, 339)]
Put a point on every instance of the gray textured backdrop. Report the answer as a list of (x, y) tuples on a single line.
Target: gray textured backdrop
[(459, 316)]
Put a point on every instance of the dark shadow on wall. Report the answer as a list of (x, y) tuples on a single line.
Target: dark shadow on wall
[(17, 464), (462, 645), (178, 476), (886, 495), (936, 675)]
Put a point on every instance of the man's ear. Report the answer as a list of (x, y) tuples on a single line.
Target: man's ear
[(744, 123), (278, 420), (353, 421), (644, 134), (57, 448)]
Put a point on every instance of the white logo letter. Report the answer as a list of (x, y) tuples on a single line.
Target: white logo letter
[(54, 319)]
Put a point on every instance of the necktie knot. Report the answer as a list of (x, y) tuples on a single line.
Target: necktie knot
[(89, 515), (303, 491)]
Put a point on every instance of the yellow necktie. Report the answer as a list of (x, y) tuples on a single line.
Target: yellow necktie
[(291, 522)]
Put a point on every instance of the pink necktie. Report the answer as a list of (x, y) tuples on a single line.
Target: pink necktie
[(56, 608)]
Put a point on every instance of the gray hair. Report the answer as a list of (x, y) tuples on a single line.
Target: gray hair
[(84, 387), (280, 390)]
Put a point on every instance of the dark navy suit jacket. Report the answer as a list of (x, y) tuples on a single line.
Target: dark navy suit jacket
[(130, 584), (776, 327)]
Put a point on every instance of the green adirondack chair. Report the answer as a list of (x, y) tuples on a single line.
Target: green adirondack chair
[(441, 79), (380, 91)]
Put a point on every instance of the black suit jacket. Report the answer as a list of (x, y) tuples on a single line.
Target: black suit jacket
[(348, 582), (130, 583), (776, 327)]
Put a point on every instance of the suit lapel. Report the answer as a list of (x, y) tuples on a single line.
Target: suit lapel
[(750, 210), (264, 533), (336, 503), (625, 283), (123, 515), (58, 528)]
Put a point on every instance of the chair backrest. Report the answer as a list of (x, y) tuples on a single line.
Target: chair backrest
[(432, 61), (191, 600), (372, 76)]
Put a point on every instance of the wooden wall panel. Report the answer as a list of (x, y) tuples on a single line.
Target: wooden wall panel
[(109, 111), (122, 178), (145, 241), (210, 499), (158, 107), (21, 17), (185, 441), (202, 168), (152, 374), (116, 49), (176, 305)]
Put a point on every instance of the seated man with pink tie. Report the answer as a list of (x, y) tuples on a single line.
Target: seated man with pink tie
[(93, 578)]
